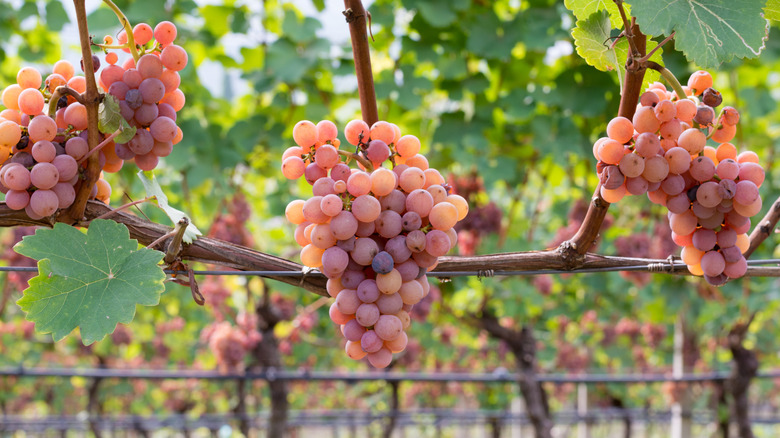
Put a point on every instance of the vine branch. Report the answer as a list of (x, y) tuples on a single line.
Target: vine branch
[(573, 250), (356, 14), (91, 100), (764, 228)]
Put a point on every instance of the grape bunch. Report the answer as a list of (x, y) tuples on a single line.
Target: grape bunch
[(44, 157), (711, 192), (40, 154), (373, 232), (148, 93)]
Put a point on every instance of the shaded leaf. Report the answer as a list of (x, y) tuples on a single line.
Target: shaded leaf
[(110, 120)]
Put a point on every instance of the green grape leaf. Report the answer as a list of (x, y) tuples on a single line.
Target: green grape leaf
[(583, 9), (56, 17), (91, 281), (153, 189), (593, 43), (110, 120), (772, 10), (708, 32)]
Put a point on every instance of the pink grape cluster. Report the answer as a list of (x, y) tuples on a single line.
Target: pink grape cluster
[(710, 192), (375, 233), (44, 157), (148, 93), (41, 171)]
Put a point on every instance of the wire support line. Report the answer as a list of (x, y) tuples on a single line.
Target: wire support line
[(668, 266), (272, 374)]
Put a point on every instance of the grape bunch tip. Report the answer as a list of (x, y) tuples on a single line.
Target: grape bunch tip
[(373, 233)]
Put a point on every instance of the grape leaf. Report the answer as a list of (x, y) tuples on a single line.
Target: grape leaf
[(92, 281), (110, 120), (583, 9), (591, 38), (708, 32), (772, 10), (153, 189)]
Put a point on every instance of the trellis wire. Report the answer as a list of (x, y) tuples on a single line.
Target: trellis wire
[(652, 267), (440, 417), (272, 374)]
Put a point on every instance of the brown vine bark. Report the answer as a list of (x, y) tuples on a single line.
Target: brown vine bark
[(764, 228), (91, 100), (267, 357), (356, 17), (394, 407), (744, 369), (573, 250), (522, 343)]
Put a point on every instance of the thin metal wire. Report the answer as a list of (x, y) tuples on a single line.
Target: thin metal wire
[(272, 374), (481, 273)]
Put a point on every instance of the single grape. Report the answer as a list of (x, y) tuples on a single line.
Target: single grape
[(383, 263)]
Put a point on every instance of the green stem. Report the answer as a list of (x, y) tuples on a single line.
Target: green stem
[(670, 78), (126, 24)]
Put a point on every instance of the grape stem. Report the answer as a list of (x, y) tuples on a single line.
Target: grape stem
[(62, 90), (670, 78), (651, 52), (128, 29), (101, 145), (627, 32), (124, 207), (367, 164)]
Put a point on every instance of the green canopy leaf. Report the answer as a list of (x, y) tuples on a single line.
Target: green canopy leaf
[(708, 32), (91, 281), (583, 9), (593, 43)]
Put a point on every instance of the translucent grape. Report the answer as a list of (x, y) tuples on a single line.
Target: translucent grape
[(16, 177), (632, 165), (44, 202), (420, 202), (611, 151), (389, 283), (395, 201), (746, 192), (323, 187), (174, 57), (42, 128), (383, 181), (407, 146), (724, 133), (748, 171), (359, 184), (367, 314), (620, 129), (17, 199), (702, 169), (347, 301), (67, 167), (165, 32), (389, 224), (645, 120), (684, 223), (665, 111), (656, 169), (712, 263), (698, 82)]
